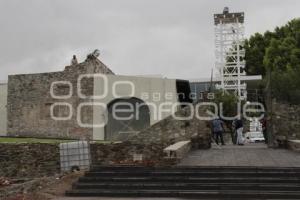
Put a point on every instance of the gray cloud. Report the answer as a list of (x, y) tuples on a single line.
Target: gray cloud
[(174, 38)]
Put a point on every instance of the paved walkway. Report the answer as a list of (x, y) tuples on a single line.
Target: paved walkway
[(247, 155), (116, 198)]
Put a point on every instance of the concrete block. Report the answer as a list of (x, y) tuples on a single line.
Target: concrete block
[(178, 150)]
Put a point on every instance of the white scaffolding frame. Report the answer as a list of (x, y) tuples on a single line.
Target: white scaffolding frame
[(229, 42)]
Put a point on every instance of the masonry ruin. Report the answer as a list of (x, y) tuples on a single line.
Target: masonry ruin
[(46, 105), (29, 101)]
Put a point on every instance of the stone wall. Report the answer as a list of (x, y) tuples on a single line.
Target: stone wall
[(171, 130), (286, 120), (30, 100), (29, 160), (124, 153), (38, 160), (294, 145), (3, 113)]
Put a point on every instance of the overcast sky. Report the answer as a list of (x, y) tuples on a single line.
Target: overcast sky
[(174, 38)]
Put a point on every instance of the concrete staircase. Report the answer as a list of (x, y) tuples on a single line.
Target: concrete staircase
[(194, 182)]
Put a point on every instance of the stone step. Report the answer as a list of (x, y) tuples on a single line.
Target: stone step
[(190, 186), (192, 179), (200, 182), (199, 194), (98, 168), (191, 174)]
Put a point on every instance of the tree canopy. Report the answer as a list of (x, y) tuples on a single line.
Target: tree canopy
[(278, 51)]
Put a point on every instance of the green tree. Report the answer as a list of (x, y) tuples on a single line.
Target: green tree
[(229, 101), (255, 52), (278, 51)]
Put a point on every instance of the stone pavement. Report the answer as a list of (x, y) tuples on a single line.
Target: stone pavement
[(248, 155), (115, 198), (131, 198)]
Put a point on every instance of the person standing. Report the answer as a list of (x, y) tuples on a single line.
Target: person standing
[(74, 60), (263, 122), (234, 135), (218, 129), (239, 127)]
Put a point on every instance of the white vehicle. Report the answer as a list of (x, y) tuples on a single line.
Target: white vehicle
[(254, 137)]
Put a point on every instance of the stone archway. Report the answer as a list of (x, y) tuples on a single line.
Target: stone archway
[(134, 109)]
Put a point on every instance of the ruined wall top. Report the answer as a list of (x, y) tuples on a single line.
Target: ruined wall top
[(90, 65)]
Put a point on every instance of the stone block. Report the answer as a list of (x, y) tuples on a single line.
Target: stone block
[(178, 150)]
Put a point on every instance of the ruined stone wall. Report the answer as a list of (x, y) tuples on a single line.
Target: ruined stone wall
[(29, 102), (38, 160), (29, 160), (3, 113), (171, 130), (286, 120), (123, 153)]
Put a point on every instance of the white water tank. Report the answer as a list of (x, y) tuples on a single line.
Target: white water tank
[(74, 155)]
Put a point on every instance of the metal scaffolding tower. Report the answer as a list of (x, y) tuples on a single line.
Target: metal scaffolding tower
[(229, 41)]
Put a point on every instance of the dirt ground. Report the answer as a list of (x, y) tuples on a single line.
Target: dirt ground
[(52, 188), (48, 188)]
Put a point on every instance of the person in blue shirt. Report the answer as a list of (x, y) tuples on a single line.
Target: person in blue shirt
[(218, 130)]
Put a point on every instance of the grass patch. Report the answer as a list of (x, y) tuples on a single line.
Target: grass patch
[(16, 140), (32, 140)]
